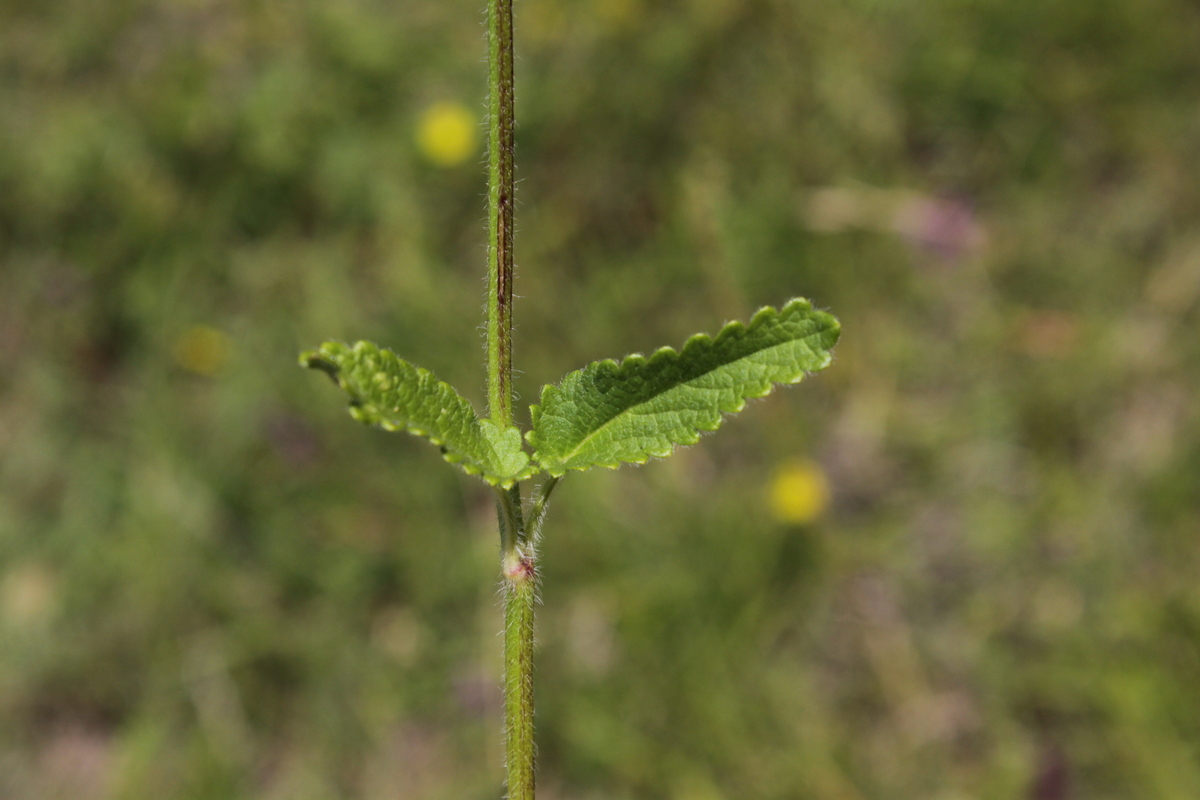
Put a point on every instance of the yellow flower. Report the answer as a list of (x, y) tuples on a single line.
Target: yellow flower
[(201, 349), (799, 492), (619, 13), (446, 133)]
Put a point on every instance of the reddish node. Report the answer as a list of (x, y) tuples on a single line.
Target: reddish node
[(518, 568)]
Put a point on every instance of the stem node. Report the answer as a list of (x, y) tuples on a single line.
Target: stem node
[(518, 567)]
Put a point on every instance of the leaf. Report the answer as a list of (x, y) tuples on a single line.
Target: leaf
[(608, 413), (387, 391)]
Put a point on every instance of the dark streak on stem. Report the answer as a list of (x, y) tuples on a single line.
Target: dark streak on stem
[(500, 210)]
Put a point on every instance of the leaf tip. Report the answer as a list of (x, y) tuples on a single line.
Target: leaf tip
[(315, 359)]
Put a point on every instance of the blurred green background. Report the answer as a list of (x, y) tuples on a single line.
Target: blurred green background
[(961, 564)]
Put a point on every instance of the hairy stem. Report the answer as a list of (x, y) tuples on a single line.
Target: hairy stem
[(512, 524), (517, 549), (518, 565), (500, 210), (538, 511), (520, 595)]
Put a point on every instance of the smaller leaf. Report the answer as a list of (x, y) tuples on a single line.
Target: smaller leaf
[(608, 413), (387, 391)]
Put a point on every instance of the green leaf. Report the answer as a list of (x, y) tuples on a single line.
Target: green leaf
[(608, 413), (387, 391)]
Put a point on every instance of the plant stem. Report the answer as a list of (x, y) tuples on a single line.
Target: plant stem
[(500, 210), (517, 564), (538, 510), (520, 594), (517, 548)]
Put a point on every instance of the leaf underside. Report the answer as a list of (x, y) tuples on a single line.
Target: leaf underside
[(608, 413), (387, 391)]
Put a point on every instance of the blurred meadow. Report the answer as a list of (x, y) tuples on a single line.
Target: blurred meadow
[(961, 564)]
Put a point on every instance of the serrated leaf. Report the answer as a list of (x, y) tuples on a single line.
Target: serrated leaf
[(608, 413), (387, 391)]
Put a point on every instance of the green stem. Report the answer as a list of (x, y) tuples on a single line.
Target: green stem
[(538, 512), (520, 594), (517, 548), (500, 210), (518, 565), (512, 523)]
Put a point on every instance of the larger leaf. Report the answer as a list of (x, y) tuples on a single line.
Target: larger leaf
[(608, 413), (387, 391)]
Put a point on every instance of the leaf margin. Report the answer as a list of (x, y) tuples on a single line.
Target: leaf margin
[(551, 393), (499, 442)]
